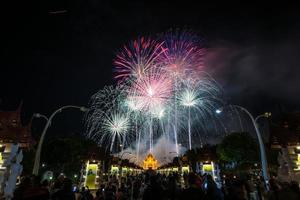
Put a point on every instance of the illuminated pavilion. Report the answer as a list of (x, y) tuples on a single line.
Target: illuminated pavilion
[(150, 162)]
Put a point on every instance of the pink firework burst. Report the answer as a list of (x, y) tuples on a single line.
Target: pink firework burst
[(152, 91), (184, 55), (138, 57)]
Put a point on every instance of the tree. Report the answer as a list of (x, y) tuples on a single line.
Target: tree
[(66, 154), (192, 158), (238, 147)]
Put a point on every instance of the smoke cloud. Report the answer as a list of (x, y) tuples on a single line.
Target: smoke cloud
[(262, 71), (164, 151)]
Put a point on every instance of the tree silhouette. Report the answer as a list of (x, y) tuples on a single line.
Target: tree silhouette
[(238, 147)]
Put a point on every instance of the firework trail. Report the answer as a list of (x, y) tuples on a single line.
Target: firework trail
[(107, 119), (115, 125), (200, 98)]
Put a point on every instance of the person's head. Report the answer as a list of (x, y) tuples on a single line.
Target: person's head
[(284, 185), (67, 184), (172, 179), (153, 180), (98, 193), (114, 188), (295, 186), (209, 178), (25, 182), (82, 189), (45, 183), (61, 178), (239, 190), (192, 178), (248, 177), (274, 185), (35, 180), (57, 184)]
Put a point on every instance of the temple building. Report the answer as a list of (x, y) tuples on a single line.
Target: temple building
[(285, 137), (150, 163), (12, 131)]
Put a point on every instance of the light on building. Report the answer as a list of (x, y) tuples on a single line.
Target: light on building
[(268, 114)]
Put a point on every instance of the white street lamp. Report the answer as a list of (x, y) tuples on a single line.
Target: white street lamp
[(218, 111), (38, 115), (36, 165), (260, 140)]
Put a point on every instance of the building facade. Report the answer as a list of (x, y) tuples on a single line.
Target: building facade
[(285, 137), (13, 137), (12, 131)]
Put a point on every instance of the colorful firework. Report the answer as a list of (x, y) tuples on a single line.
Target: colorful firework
[(134, 60), (189, 98), (163, 90), (115, 125), (184, 55), (150, 92)]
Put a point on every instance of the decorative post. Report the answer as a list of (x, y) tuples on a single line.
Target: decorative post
[(12, 171)]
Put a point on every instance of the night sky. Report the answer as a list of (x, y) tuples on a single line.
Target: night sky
[(58, 52)]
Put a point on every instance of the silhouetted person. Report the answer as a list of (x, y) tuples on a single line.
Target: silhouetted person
[(99, 195), (172, 189), (212, 191), (295, 188), (193, 192), (154, 190), (66, 192), (110, 192), (31, 189), (237, 191)]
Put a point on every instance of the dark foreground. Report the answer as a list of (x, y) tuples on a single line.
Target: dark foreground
[(149, 186)]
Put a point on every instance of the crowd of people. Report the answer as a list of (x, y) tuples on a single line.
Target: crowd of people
[(155, 186)]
